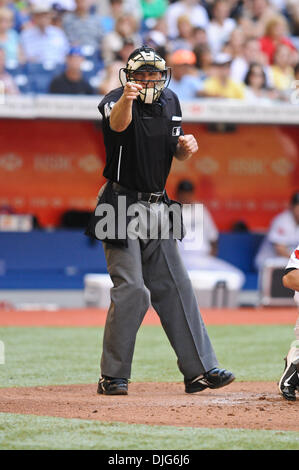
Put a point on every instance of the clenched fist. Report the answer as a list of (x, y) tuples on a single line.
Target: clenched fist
[(187, 145)]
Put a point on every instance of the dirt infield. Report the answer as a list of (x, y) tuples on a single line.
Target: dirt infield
[(96, 317), (248, 405)]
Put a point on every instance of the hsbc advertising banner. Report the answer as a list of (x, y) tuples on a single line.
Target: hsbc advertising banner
[(241, 172)]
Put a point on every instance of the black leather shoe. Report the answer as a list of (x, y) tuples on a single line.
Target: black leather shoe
[(214, 378), (112, 386)]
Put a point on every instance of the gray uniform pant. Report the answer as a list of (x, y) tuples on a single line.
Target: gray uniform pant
[(158, 266)]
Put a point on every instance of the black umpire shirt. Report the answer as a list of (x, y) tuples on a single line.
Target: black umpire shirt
[(140, 157)]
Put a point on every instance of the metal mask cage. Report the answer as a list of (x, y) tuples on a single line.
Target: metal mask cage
[(127, 75)]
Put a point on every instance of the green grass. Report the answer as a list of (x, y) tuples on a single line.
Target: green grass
[(44, 356), (34, 432)]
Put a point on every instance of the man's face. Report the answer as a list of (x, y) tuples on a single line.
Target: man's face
[(126, 51), (282, 56), (142, 77), (259, 6), (74, 62), (84, 5), (223, 71), (221, 11), (42, 20), (179, 70), (252, 51), (6, 22)]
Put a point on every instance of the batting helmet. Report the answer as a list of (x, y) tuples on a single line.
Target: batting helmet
[(146, 59)]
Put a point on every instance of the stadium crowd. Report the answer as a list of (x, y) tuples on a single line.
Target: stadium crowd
[(239, 49)]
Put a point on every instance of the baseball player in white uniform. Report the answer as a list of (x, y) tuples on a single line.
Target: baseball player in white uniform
[(201, 254), (289, 381), (283, 235)]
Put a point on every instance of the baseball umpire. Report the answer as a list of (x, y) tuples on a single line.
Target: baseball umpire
[(290, 378), (142, 133)]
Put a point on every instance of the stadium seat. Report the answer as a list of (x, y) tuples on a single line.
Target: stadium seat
[(40, 76), (240, 249), (22, 82), (62, 258), (13, 68)]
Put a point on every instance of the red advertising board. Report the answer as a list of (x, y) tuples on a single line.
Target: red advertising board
[(247, 172)]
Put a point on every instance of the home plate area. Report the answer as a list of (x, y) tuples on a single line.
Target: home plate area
[(250, 405)]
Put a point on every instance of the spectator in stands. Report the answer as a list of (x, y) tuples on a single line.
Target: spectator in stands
[(103, 8), (7, 84), (256, 86), (59, 9), (108, 20), (63, 5), (184, 81), (158, 41), (20, 14), (185, 37), (235, 44), (109, 77), (219, 84), (201, 231), (294, 92), (83, 28), (251, 53), (9, 38), (153, 8), (275, 34), (43, 42), (160, 26), (200, 37), (204, 60), (192, 8), (281, 72), (255, 16), (71, 81), (283, 235), (126, 27), (292, 11), (221, 26)]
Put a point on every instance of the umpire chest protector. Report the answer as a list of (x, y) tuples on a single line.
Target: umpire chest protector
[(140, 157)]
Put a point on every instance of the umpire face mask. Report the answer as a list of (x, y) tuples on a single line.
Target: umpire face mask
[(147, 68)]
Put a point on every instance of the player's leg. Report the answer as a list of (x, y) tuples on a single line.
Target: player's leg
[(289, 380), (173, 298), (129, 303)]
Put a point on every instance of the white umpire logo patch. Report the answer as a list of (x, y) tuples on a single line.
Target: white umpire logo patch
[(108, 108), (176, 131)]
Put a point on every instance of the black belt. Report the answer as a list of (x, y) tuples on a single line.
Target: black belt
[(146, 197)]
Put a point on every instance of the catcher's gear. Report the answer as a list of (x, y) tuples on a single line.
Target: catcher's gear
[(146, 59), (290, 378)]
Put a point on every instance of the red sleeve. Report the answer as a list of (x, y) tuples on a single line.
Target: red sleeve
[(289, 43), (267, 46)]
